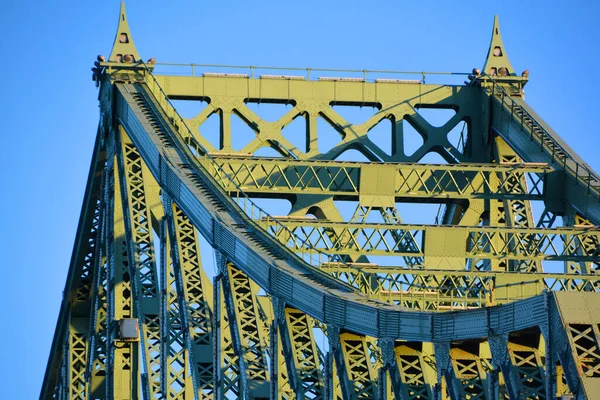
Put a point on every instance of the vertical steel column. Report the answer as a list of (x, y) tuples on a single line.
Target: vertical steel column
[(517, 213), (242, 311), (445, 373), (217, 328), (194, 295), (338, 365), (274, 351), (359, 368), (98, 346), (227, 373), (175, 364), (141, 258), (282, 378), (468, 370), (389, 371), (122, 358), (301, 354), (501, 365), (529, 368), (63, 377), (77, 347), (413, 369), (97, 370)]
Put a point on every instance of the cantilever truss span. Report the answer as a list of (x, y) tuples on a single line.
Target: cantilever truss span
[(186, 282)]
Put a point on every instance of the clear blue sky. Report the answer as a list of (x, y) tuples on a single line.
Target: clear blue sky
[(49, 108)]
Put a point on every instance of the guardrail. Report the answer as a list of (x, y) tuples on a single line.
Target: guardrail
[(557, 152), (253, 71)]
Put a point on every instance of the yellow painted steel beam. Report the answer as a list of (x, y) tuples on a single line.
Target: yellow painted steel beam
[(395, 101), (416, 366), (513, 212), (123, 365), (176, 367), (136, 198), (359, 370), (304, 353), (248, 340), (577, 336), (196, 298), (448, 246), (272, 177), (445, 290)]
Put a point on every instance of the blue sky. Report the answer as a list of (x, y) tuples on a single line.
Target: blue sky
[(49, 108)]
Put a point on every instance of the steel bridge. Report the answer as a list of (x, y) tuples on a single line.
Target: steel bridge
[(337, 298)]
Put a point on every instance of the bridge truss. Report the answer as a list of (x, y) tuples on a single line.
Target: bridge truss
[(337, 298)]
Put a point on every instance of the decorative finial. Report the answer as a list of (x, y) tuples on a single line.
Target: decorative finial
[(497, 62), (123, 49)]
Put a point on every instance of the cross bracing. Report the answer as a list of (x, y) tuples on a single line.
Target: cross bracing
[(482, 242), (302, 305), (273, 177)]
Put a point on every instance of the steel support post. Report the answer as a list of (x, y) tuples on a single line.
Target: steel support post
[(176, 376), (123, 371), (134, 178)]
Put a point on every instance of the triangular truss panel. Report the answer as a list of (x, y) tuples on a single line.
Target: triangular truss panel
[(182, 286)]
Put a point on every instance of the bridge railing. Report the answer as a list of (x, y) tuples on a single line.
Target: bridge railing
[(578, 170), (256, 71)]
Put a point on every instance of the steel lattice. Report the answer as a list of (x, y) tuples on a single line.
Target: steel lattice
[(338, 298)]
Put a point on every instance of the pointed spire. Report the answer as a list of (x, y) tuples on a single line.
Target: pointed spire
[(497, 58), (123, 46)]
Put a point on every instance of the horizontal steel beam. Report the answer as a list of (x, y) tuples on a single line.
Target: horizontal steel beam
[(559, 244), (262, 177), (341, 91), (459, 288)]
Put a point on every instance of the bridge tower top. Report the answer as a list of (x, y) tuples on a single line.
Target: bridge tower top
[(123, 49), (497, 62)]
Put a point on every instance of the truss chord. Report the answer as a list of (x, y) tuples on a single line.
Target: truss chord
[(137, 324)]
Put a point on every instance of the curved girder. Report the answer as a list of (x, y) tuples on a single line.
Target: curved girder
[(273, 267)]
